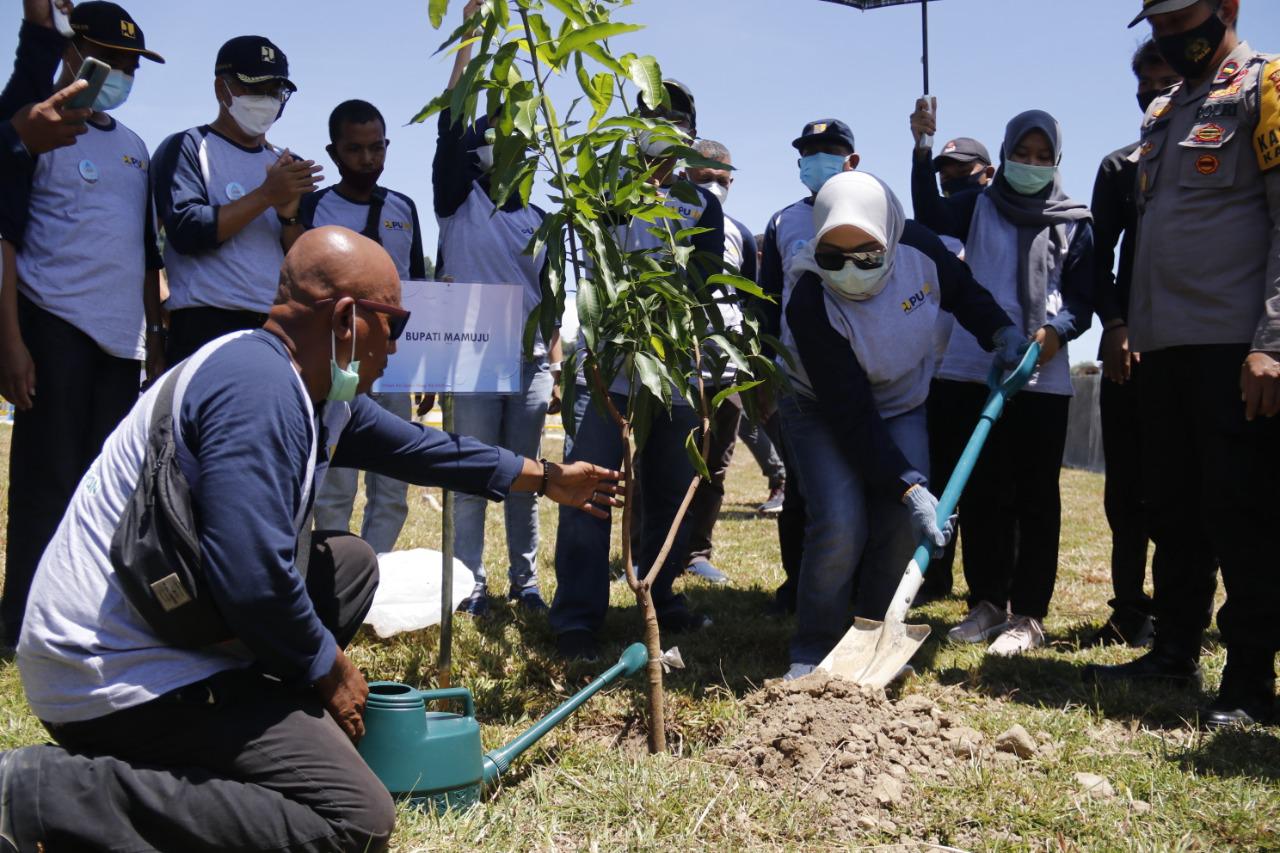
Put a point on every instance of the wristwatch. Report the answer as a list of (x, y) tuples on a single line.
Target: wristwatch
[(288, 220)]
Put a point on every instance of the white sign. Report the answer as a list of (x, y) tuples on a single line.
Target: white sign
[(461, 339)]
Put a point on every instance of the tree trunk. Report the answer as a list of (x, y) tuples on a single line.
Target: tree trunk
[(653, 641)]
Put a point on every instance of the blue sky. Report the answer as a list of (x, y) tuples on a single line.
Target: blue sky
[(759, 70)]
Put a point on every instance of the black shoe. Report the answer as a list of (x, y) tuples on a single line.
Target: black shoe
[(1248, 692), (529, 598), (476, 604), (1155, 667), (1127, 626), (683, 621), (578, 646)]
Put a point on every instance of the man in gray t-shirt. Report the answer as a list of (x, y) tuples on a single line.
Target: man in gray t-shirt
[(71, 332), (228, 200)]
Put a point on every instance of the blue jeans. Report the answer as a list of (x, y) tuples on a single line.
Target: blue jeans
[(581, 397), (386, 498), (582, 541), (513, 421), (853, 535)]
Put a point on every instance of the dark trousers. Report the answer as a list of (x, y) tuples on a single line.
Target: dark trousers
[(582, 541), (791, 521), (236, 762), (946, 443), (705, 507), (81, 395), (192, 328), (1210, 479), (1011, 506), (1122, 499)]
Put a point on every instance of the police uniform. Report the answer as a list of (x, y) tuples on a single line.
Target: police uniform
[(1205, 293)]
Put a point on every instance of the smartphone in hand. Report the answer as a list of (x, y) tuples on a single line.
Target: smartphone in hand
[(95, 71)]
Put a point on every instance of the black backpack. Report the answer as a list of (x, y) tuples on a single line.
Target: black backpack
[(156, 547)]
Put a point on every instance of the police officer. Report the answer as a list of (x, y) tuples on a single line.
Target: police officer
[(1204, 313), (1115, 213), (827, 148)]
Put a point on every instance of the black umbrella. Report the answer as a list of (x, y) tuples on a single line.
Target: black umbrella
[(864, 5)]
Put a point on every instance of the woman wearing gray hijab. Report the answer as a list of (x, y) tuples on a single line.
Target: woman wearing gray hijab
[(859, 322), (1032, 246)]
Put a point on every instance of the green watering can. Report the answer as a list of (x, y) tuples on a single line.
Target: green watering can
[(434, 758)]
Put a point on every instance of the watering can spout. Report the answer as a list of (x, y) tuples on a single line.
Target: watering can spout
[(498, 760)]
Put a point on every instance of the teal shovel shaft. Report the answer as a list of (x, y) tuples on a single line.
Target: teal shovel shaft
[(1001, 391)]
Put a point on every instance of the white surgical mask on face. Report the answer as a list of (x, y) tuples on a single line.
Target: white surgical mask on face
[(854, 282), (717, 189), (254, 113)]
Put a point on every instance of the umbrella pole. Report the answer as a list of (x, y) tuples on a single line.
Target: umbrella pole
[(924, 38)]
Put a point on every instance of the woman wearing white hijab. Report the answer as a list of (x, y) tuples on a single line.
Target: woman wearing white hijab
[(859, 322), (1032, 247)]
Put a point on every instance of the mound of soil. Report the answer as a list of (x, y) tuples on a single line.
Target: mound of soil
[(850, 747)]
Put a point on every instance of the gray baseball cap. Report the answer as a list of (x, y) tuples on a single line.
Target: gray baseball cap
[(1159, 7)]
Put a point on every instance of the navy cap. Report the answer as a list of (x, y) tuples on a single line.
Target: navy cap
[(962, 149), (824, 130), (253, 59), (1160, 7), (679, 106), (109, 25)]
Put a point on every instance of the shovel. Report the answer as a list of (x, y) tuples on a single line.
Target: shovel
[(872, 653)]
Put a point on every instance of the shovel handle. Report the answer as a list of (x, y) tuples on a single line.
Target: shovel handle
[(1001, 391)]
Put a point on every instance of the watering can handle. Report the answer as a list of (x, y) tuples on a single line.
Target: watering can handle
[(429, 696)]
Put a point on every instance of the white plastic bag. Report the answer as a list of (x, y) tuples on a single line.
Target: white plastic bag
[(408, 596)]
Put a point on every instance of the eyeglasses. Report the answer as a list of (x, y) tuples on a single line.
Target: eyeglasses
[(397, 317), (833, 260)]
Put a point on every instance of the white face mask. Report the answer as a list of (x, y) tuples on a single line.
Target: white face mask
[(254, 113), (717, 189), (854, 282)]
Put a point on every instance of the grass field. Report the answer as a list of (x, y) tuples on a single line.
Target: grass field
[(591, 786)]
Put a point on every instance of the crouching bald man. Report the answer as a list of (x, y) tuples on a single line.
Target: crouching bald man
[(247, 744)]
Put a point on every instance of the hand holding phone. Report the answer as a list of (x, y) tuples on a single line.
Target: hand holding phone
[(94, 71)]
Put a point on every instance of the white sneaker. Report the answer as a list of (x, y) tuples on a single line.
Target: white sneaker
[(798, 670), (984, 621), (1023, 634)]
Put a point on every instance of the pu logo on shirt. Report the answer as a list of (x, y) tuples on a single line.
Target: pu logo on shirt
[(395, 225), (130, 160), (128, 29), (917, 299), (527, 231), (268, 54)]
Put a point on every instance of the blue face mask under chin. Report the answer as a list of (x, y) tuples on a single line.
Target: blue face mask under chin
[(817, 169), (343, 382)]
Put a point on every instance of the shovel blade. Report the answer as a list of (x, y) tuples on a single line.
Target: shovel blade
[(872, 654)]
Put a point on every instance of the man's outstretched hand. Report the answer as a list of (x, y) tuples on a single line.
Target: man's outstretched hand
[(50, 124), (581, 485)]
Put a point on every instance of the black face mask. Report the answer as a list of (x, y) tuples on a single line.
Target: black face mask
[(1190, 53), (959, 185), (360, 181), (1145, 99)]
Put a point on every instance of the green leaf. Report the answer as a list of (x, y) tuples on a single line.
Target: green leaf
[(695, 455), (571, 10), (645, 73), (689, 233), (726, 393), (686, 192), (729, 349), (592, 34), (602, 56), (435, 105), (651, 377), (436, 11), (603, 86), (691, 157), (588, 312), (740, 284)]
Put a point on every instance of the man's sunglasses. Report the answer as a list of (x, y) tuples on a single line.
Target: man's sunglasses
[(834, 260), (397, 317)]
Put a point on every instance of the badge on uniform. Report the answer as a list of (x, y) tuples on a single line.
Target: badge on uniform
[(89, 171), (1207, 164), (235, 191), (1227, 71), (1266, 141)]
